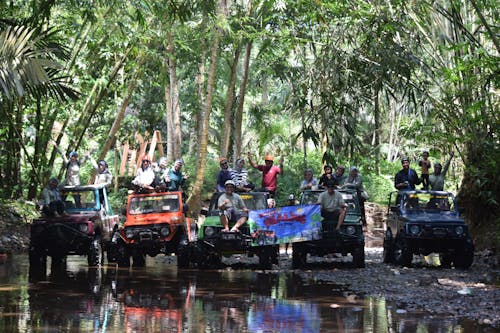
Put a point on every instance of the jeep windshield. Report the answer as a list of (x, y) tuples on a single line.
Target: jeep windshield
[(255, 201), (431, 202), (154, 204), (77, 200)]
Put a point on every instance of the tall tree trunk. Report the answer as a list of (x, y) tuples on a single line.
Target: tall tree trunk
[(194, 200), (228, 108), (170, 127), (238, 118), (376, 115), (174, 98)]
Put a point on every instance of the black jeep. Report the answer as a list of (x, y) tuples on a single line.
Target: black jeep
[(213, 243), (424, 222), (348, 239), (84, 229)]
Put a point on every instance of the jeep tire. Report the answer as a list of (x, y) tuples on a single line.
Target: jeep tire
[(299, 257), (401, 254), (358, 256)]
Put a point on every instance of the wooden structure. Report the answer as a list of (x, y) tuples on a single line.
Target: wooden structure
[(131, 157)]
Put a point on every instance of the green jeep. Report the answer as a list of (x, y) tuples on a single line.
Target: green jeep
[(349, 239), (213, 243)]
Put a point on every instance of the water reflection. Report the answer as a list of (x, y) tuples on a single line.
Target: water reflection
[(159, 298)]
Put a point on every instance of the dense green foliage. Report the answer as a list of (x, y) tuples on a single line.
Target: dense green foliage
[(359, 83)]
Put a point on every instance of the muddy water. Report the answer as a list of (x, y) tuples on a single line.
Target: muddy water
[(160, 298)]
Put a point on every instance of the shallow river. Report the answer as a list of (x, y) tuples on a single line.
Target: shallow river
[(160, 298)]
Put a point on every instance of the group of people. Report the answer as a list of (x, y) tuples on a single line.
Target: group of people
[(407, 178), (239, 175), (159, 178), (52, 202)]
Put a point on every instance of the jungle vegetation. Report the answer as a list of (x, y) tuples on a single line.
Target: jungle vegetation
[(340, 82)]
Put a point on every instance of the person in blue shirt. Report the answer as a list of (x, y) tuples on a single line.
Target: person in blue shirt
[(223, 175), (406, 178)]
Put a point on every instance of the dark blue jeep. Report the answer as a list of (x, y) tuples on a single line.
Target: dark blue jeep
[(424, 222)]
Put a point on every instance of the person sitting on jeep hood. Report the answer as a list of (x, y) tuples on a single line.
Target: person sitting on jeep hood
[(332, 204), (174, 179), (145, 175), (232, 208)]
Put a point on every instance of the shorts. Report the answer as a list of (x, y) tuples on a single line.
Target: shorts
[(233, 215)]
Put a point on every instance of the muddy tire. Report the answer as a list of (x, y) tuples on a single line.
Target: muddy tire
[(464, 257), (37, 258), (299, 257), (139, 259), (183, 256), (95, 255), (122, 256), (388, 254), (358, 257), (266, 257), (402, 254), (445, 259)]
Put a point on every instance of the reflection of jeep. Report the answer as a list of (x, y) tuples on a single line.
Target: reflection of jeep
[(213, 243), (349, 239), (155, 223), (424, 222), (85, 229)]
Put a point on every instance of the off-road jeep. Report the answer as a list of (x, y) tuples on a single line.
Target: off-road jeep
[(85, 228), (424, 222), (348, 239), (212, 243), (155, 223)]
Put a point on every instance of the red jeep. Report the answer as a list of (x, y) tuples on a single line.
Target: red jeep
[(155, 223), (85, 229)]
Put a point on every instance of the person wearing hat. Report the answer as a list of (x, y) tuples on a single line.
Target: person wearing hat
[(406, 178), (145, 177), (332, 204), (174, 179), (269, 173), (52, 202), (232, 208), (223, 175)]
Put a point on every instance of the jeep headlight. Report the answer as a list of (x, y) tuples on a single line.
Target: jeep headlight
[(83, 227), (350, 230), (165, 231), (129, 233), (459, 230), (414, 229), (209, 231)]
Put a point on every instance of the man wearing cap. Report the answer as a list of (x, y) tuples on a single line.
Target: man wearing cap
[(174, 178), (332, 204), (232, 208), (269, 173), (406, 178), (223, 175)]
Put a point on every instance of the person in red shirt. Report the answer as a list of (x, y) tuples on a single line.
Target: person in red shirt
[(269, 173)]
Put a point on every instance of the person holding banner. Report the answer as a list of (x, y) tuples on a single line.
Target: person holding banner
[(232, 208), (332, 204)]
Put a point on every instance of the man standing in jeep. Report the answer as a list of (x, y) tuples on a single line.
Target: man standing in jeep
[(406, 178), (269, 173), (332, 204), (232, 208)]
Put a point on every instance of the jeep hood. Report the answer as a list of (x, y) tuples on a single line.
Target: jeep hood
[(70, 218), (432, 218), (145, 219)]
